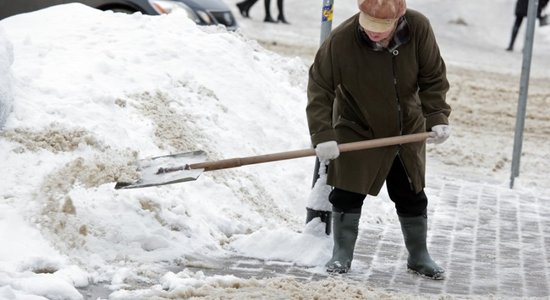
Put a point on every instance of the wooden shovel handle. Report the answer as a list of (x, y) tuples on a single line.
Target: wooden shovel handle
[(362, 145)]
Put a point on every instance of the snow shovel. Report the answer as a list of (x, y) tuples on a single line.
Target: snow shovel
[(189, 166)]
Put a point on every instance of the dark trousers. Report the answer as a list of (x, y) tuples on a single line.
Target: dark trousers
[(247, 4), (407, 202), (515, 30), (517, 25)]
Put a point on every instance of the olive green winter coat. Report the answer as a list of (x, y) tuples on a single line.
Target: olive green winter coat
[(357, 93)]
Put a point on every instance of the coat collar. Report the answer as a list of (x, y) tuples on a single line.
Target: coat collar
[(401, 36)]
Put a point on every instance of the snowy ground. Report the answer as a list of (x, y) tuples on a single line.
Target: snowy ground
[(90, 98)]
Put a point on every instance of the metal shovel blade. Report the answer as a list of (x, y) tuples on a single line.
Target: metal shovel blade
[(165, 169)]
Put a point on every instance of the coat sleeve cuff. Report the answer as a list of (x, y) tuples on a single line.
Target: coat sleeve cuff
[(323, 136), (437, 119)]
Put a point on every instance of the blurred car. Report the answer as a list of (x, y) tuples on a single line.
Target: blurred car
[(203, 12)]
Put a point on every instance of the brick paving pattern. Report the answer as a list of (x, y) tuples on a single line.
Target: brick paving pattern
[(492, 241)]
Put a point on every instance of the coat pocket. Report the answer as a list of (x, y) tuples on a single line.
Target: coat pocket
[(351, 131), (348, 119)]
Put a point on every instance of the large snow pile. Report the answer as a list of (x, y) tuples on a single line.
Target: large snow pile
[(97, 91)]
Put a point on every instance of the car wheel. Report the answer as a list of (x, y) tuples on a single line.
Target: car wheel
[(122, 10)]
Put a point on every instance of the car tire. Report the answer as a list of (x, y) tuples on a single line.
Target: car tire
[(122, 10)]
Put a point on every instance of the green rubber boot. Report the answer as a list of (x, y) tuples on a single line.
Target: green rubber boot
[(415, 230), (344, 230)]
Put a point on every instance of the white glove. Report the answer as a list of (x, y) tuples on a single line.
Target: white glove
[(440, 133), (327, 151)]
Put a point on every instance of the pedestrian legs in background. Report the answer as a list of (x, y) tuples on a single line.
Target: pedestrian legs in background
[(515, 31), (268, 17), (244, 7), (281, 18), (544, 20)]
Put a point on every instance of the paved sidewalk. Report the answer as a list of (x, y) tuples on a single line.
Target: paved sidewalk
[(492, 242)]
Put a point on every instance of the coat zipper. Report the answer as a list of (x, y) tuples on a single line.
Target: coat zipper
[(395, 52)]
